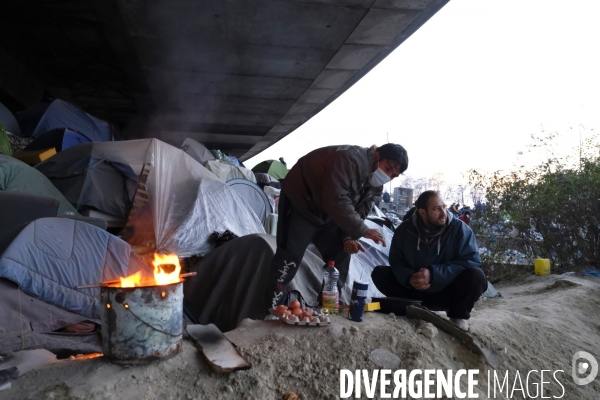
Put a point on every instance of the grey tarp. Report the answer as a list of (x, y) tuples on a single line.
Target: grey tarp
[(197, 151), (51, 256), (232, 280), (254, 196), (21, 311), (16, 176), (186, 202)]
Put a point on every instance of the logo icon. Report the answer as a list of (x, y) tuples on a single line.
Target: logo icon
[(580, 368)]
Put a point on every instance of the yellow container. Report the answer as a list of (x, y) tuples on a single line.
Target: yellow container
[(542, 266)]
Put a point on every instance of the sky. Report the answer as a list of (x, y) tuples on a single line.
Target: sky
[(469, 88)]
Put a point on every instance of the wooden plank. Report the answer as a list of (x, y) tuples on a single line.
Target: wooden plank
[(220, 353)]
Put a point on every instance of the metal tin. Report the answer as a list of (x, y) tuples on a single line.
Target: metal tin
[(357, 301), (142, 324)]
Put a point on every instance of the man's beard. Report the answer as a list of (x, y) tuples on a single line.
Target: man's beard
[(435, 222)]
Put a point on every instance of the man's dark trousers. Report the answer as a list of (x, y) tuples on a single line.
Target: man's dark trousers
[(294, 234), (457, 299)]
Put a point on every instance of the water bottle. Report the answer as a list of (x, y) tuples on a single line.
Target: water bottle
[(331, 296)]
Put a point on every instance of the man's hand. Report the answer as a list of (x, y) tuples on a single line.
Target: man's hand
[(353, 246), (376, 236), (420, 280)]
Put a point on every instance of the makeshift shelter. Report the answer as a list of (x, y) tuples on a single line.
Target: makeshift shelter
[(59, 139), (9, 121), (197, 151), (176, 202), (44, 117), (51, 256), (254, 196), (227, 172), (18, 177), (272, 167), (231, 282)]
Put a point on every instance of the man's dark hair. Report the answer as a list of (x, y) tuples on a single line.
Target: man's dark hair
[(394, 153), (424, 197)]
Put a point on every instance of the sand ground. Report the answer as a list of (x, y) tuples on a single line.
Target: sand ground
[(539, 323)]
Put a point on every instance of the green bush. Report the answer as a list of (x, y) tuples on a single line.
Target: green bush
[(549, 211)]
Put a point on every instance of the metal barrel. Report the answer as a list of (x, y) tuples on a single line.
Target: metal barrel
[(142, 324)]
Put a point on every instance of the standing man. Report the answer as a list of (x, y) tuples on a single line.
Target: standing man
[(434, 258), (324, 200)]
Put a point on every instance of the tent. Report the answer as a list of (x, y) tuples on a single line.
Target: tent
[(51, 256), (226, 171), (254, 196), (8, 120), (60, 139), (44, 117), (272, 167), (16, 176), (263, 180), (197, 151), (177, 203)]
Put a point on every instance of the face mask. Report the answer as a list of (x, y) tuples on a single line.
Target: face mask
[(379, 178)]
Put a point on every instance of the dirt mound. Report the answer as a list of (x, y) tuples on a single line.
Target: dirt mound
[(534, 328)]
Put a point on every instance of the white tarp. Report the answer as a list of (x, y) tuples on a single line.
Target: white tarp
[(186, 201), (227, 172), (197, 150)]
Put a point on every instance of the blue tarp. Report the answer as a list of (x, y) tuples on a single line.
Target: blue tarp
[(52, 256), (44, 117), (60, 139)]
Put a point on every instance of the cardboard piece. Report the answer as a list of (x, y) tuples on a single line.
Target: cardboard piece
[(220, 353)]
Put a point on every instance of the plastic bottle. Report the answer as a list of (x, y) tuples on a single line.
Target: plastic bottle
[(331, 296)]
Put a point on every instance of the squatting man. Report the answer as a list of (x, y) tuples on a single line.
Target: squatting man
[(434, 258), (324, 200)]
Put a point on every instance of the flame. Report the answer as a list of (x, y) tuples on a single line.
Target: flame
[(160, 275), (132, 280)]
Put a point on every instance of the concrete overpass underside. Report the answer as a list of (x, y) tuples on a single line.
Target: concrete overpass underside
[(234, 75)]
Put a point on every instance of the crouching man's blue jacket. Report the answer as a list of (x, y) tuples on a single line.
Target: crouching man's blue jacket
[(455, 250)]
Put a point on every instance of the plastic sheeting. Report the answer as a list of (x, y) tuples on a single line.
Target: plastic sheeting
[(362, 264), (197, 151), (187, 203), (227, 172), (254, 196), (43, 117), (51, 256)]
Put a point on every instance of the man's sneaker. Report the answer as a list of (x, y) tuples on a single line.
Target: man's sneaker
[(461, 323)]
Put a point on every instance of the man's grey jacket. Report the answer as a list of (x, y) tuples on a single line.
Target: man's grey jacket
[(454, 250), (331, 183)]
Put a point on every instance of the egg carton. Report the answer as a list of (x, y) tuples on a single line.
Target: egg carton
[(318, 319)]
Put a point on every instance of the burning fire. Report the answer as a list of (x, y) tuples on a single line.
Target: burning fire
[(161, 276), (166, 271), (132, 280)]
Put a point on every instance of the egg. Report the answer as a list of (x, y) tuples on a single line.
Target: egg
[(288, 313), (281, 309), (297, 312), (295, 304), (308, 311)]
